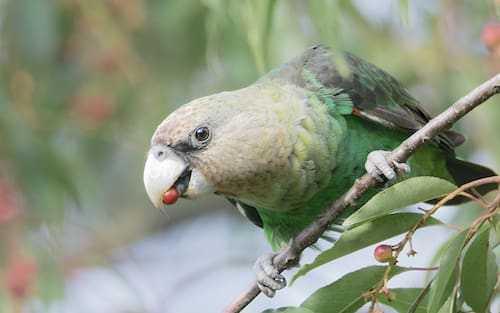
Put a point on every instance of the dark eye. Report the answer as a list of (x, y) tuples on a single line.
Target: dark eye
[(202, 134)]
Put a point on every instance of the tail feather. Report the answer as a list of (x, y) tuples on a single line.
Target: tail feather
[(464, 172)]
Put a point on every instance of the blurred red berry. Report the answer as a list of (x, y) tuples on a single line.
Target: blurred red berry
[(19, 276), (491, 36), (108, 61)]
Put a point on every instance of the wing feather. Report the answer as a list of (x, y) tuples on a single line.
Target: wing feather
[(372, 93)]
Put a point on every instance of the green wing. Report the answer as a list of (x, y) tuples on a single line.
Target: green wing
[(365, 91)]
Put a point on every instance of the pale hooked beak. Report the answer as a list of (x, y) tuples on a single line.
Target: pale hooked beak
[(162, 171)]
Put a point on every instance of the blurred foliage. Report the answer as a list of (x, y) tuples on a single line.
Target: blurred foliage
[(83, 83)]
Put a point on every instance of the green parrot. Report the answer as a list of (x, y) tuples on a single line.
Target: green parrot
[(284, 148)]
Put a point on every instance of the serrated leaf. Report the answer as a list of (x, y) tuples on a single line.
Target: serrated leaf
[(404, 298), (440, 290), (345, 294), (479, 272), (400, 195), (364, 235), (288, 309)]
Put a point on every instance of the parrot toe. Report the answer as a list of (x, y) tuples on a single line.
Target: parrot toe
[(268, 278), (378, 166)]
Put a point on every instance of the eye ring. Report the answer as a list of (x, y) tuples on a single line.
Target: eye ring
[(202, 134)]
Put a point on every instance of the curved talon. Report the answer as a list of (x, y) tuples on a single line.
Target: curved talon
[(268, 278), (402, 167), (378, 166)]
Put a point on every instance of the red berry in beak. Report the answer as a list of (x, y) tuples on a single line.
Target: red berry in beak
[(171, 196)]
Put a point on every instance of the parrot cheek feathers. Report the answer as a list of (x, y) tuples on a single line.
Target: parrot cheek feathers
[(198, 186)]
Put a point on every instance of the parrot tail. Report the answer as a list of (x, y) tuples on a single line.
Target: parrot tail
[(464, 172)]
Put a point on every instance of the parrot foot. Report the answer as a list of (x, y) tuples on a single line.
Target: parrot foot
[(268, 278), (378, 166)]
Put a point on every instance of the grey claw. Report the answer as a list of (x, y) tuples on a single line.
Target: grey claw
[(266, 290), (268, 278), (402, 167), (378, 166)]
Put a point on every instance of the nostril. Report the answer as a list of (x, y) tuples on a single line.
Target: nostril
[(159, 151)]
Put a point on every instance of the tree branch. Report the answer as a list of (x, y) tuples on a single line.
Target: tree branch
[(314, 231)]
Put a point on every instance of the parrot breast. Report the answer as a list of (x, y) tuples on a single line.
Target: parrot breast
[(275, 151)]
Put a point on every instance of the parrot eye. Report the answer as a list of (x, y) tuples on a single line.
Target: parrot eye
[(202, 134)]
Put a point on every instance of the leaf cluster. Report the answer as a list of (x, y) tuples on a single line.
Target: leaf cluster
[(466, 279)]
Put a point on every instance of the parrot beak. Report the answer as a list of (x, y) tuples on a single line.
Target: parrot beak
[(164, 170)]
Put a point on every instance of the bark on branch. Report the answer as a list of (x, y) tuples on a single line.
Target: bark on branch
[(314, 231)]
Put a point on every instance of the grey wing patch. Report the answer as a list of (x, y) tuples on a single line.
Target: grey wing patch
[(248, 211), (397, 119)]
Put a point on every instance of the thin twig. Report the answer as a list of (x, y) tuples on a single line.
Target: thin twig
[(479, 201), (314, 231)]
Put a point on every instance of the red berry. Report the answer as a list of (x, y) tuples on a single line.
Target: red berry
[(20, 276), (383, 253), (491, 35), (171, 196)]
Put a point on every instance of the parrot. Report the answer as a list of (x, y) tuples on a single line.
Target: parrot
[(284, 148)]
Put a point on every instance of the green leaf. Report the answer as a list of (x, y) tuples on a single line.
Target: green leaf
[(288, 309), (365, 235), (257, 16), (479, 272), (404, 298), (404, 12), (443, 284), (449, 305), (400, 195), (496, 233), (345, 294)]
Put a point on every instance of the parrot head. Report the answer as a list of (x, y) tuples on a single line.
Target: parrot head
[(233, 144), (175, 150)]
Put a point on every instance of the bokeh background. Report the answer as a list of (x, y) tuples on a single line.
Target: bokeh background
[(83, 84)]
